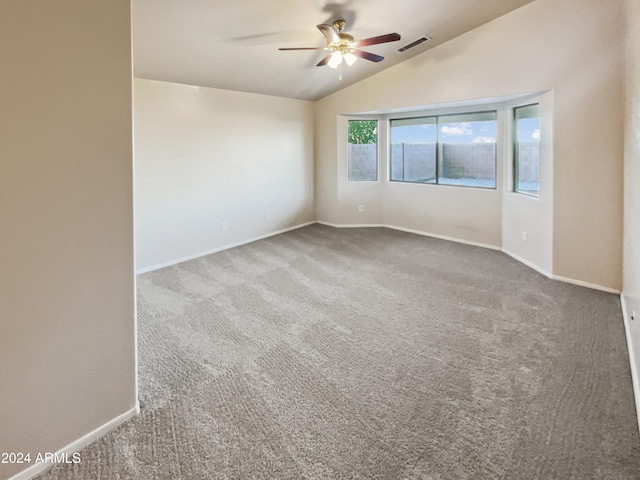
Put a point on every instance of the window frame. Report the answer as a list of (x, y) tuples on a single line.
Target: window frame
[(377, 154), (390, 155), (515, 150)]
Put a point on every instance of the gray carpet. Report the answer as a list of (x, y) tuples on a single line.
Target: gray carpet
[(371, 353)]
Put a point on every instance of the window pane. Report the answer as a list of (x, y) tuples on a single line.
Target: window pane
[(467, 150), (413, 150), (363, 150), (527, 150)]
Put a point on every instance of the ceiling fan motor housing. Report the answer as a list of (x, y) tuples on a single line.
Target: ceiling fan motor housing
[(346, 42)]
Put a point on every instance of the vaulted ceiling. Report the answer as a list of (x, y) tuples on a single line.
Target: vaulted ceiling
[(234, 44)]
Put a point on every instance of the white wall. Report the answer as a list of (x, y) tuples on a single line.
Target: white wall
[(548, 45), (631, 291), (67, 326), (206, 156), (531, 215)]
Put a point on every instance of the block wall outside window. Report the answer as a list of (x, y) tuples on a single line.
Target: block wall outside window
[(363, 151), (413, 150)]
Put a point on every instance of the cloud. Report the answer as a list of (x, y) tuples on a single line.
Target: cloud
[(484, 140), (457, 130), (536, 134)]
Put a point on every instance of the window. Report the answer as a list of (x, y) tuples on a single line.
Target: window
[(526, 156), (455, 149), (413, 150), (363, 151)]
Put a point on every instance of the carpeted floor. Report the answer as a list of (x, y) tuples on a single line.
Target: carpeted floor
[(329, 353)]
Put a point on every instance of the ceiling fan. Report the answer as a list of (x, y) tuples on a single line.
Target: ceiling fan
[(343, 46)]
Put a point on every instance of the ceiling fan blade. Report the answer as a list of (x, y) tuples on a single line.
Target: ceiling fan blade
[(368, 56), (304, 48), (329, 32), (389, 37), (324, 61)]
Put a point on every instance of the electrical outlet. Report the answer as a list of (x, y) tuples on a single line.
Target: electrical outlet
[(223, 227), (268, 217), (524, 236), (361, 208)]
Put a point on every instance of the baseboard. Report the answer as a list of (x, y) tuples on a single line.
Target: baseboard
[(78, 444), (353, 225), (626, 315), (528, 263), (409, 230), (443, 237), (218, 249), (580, 283)]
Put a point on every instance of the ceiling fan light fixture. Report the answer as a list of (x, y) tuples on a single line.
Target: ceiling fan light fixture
[(350, 58), (336, 59)]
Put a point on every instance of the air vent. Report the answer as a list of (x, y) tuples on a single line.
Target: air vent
[(415, 43)]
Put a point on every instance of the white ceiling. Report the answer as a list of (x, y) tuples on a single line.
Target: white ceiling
[(234, 44)]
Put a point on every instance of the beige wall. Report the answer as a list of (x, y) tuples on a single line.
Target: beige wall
[(206, 156), (67, 327), (548, 45)]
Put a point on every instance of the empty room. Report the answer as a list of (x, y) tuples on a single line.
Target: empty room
[(320, 239)]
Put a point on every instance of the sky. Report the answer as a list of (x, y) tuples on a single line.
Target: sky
[(462, 132), (528, 129)]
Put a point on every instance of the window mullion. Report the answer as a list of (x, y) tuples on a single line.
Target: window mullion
[(438, 155)]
